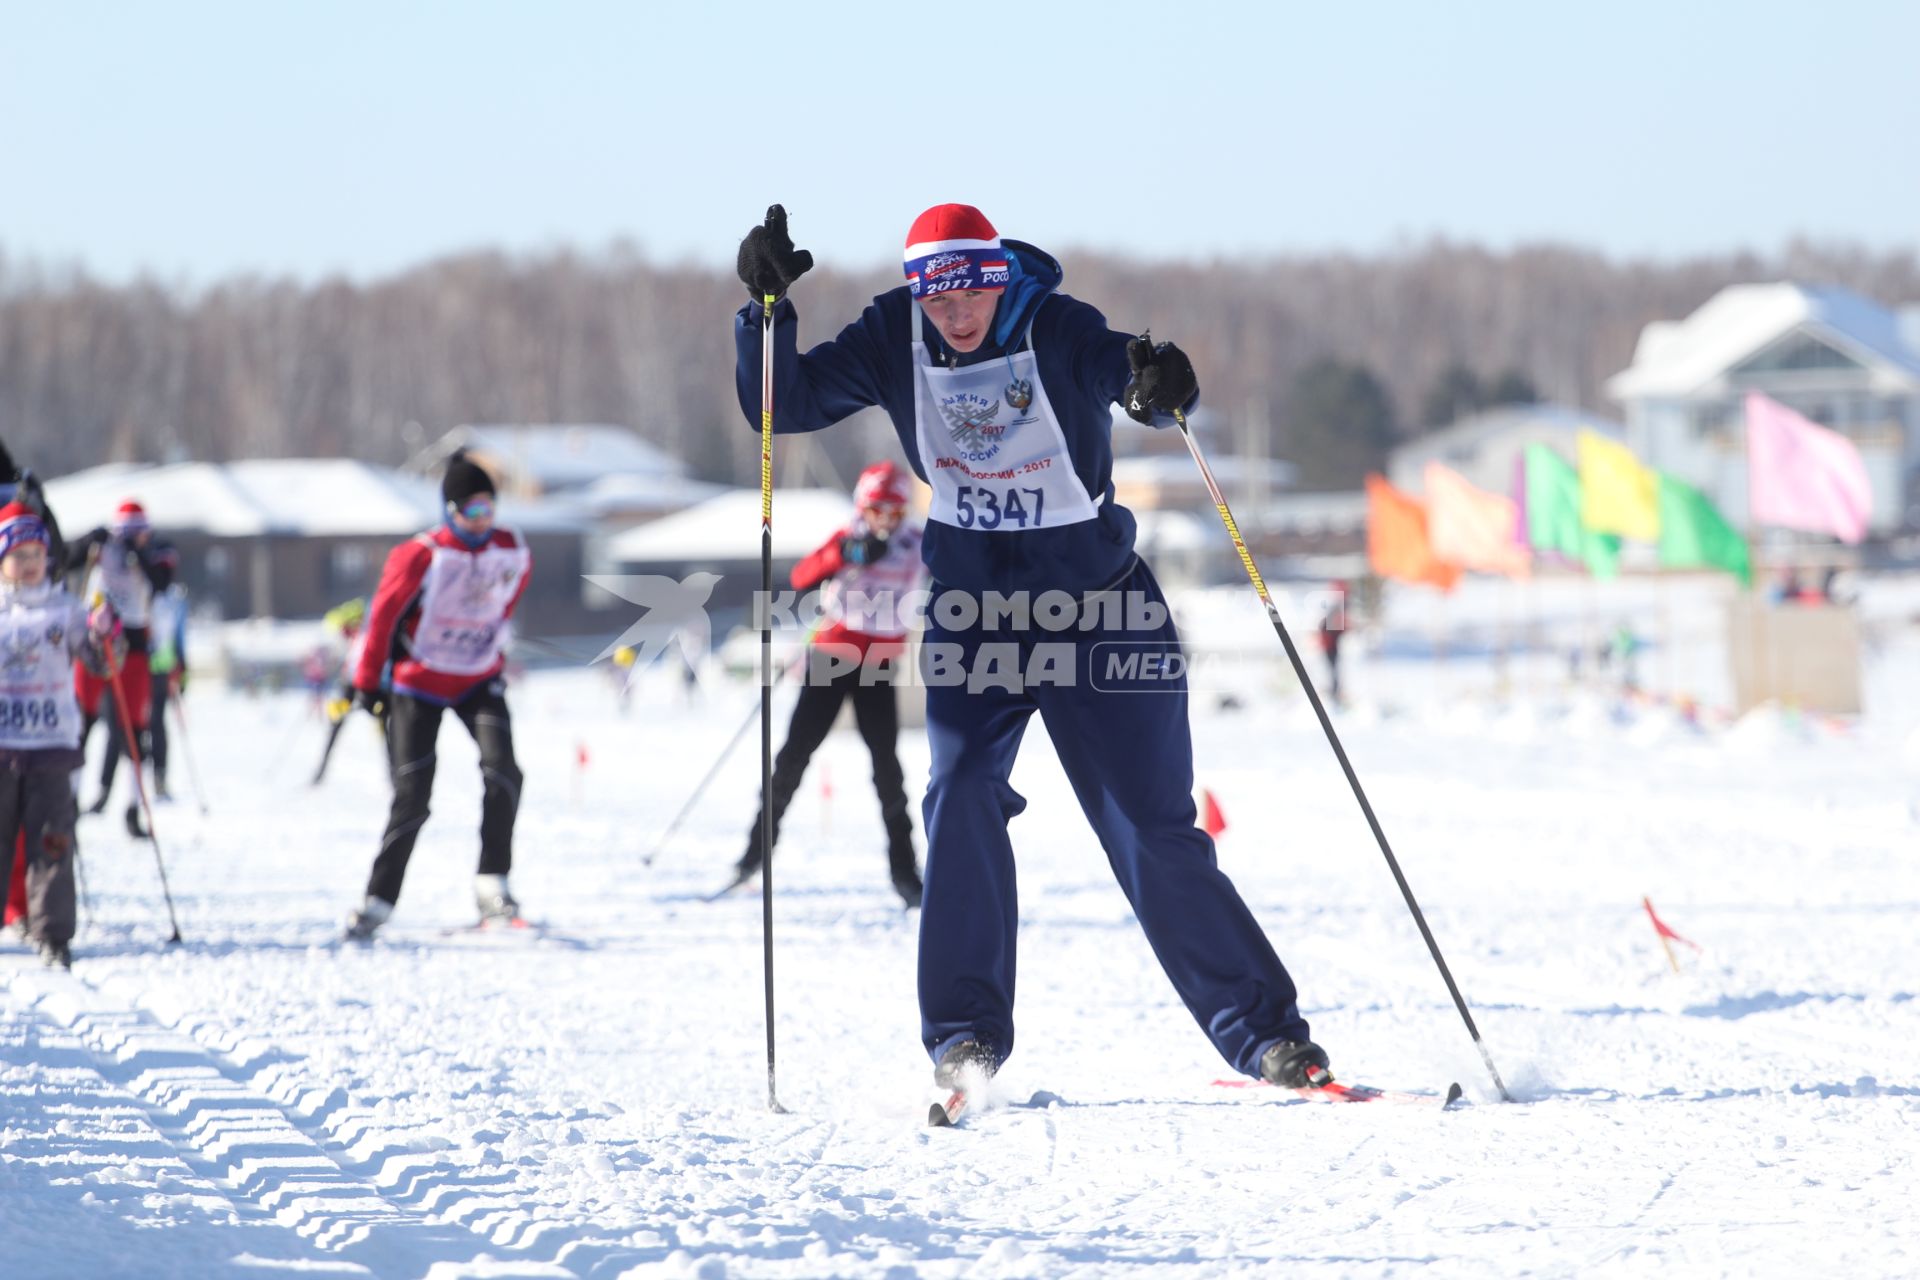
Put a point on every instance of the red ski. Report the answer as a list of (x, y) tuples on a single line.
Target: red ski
[(1335, 1091)]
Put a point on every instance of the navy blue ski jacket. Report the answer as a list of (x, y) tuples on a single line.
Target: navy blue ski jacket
[(1082, 365)]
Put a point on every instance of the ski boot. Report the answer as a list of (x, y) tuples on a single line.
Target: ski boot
[(56, 953), (962, 1061), (495, 900), (1295, 1064), (362, 924), (98, 807), (134, 826)]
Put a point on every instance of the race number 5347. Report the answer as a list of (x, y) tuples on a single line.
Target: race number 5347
[(979, 506)]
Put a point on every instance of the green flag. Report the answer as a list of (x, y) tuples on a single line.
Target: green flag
[(1693, 535), (1550, 495)]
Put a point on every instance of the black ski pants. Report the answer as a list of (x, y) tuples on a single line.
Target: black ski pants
[(877, 715), (40, 803), (413, 729), (153, 738)]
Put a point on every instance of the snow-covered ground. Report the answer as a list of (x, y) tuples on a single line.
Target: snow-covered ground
[(260, 1100)]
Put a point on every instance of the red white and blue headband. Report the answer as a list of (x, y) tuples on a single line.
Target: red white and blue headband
[(953, 246), (19, 525)]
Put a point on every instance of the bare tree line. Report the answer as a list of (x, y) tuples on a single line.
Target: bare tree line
[(91, 372)]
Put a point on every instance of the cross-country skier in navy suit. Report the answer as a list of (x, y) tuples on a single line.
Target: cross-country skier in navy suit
[(1001, 390)]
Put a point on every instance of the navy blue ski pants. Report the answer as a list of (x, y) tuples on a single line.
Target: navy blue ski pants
[(1122, 736)]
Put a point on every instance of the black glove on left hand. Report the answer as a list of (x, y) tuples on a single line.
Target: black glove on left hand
[(768, 262), (1162, 379)]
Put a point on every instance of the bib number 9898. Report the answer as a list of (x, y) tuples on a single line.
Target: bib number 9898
[(982, 507)]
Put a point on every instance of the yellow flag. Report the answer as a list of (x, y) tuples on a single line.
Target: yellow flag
[(1472, 527), (1617, 494)]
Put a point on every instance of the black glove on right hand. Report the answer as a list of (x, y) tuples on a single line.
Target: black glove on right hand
[(371, 701), (768, 262), (862, 550), (1162, 379)]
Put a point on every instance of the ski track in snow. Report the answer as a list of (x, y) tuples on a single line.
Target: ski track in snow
[(262, 1100)]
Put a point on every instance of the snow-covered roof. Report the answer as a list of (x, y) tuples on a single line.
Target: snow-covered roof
[(1485, 447), (1230, 469), (1339, 512), (240, 500), (727, 527), (634, 491), (308, 497), (555, 456), (1686, 357), (1165, 530)]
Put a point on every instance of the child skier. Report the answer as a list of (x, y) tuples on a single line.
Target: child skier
[(43, 631), (122, 563), (1001, 389), (868, 569), (440, 615)]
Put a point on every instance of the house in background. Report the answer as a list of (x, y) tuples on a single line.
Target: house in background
[(1486, 447), (1840, 359), (292, 537), (533, 460), (722, 536)]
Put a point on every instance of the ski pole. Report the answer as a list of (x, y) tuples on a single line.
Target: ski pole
[(80, 878), (712, 773), (140, 787), (186, 749), (765, 620), (345, 708), (1333, 740)]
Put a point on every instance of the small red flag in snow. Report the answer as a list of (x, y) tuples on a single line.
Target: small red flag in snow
[(1667, 936), (826, 781), (1212, 821), (580, 754)]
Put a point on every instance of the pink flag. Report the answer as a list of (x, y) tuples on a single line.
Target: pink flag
[(1803, 476), (1472, 527)]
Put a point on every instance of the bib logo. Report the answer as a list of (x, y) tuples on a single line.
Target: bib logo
[(970, 420), (19, 652)]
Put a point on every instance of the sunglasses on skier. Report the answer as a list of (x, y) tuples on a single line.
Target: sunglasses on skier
[(477, 509)]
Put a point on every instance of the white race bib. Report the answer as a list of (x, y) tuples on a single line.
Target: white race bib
[(37, 707), (991, 446), (463, 605), (119, 577)]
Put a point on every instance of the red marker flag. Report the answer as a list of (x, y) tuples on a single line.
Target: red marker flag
[(1212, 821), (1667, 936)]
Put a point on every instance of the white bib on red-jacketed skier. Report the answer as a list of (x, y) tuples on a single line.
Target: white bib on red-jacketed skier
[(872, 598), (995, 464), (39, 627), (462, 629), (119, 577)]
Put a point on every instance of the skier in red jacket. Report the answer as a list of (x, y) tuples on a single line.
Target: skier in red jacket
[(866, 571), (440, 615)]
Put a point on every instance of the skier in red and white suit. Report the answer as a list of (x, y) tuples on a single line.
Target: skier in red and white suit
[(865, 571), (441, 615)]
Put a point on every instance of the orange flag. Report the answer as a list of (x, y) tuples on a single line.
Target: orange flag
[(1397, 541), (1212, 821), (1472, 527)]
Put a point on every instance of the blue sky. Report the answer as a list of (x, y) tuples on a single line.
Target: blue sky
[(197, 140)]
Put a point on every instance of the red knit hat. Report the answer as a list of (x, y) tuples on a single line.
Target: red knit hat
[(881, 485), (130, 518), (953, 246)]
